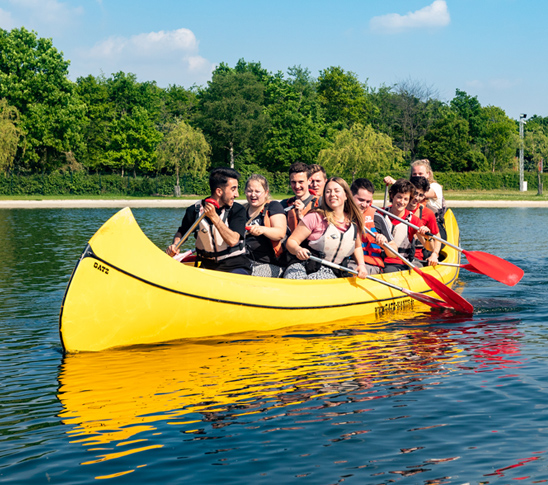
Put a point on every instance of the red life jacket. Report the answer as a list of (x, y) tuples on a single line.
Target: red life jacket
[(371, 250), (292, 219)]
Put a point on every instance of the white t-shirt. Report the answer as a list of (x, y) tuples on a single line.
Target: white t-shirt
[(435, 203)]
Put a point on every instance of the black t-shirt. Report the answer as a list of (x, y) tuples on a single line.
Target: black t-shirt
[(236, 222), (260, 248)]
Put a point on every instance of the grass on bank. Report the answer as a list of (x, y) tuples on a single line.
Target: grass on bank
[(530, 195)]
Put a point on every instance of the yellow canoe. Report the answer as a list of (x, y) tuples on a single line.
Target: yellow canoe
[(126, 291)]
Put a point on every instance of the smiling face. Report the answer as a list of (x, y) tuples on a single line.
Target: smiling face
[(399, 202), (335, 196), (299, 184), (416, 200), (420, 171), (363, 199), (228, 193), (255, 193)]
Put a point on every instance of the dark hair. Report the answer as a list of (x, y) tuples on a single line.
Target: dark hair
[(315, 168), (298, 167), (420, 183), (402, 186), (219, 177), (362, 184)]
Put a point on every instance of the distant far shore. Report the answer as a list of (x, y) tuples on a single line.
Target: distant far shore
[(182, 203)]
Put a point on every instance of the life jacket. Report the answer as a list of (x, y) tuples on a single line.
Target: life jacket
[(266, 221), (334, 245), (209, 242), (292, 220), (401, 232), (372, 252)]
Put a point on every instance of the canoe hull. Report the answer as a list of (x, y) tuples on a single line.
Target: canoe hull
[(116, 299)]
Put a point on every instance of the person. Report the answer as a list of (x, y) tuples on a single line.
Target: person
[(266, 226), (298, 206), (400, 194), (317, 179), (362, 192), (331, 233), (417, 206), (220, 234)]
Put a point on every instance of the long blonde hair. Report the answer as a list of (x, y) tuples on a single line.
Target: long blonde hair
[(350, 207), (426, 164)]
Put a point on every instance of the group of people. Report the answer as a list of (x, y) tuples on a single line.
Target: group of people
[(325, 218)]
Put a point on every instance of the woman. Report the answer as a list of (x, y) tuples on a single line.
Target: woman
[(332, 233), (266, 226)]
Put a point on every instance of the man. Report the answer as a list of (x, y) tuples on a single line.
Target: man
[(317, 179), (298, 206), (220, 234), (417, 206), (362, 191)]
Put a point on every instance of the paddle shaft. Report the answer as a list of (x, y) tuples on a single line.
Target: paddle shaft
[(385, 195), (437, 238), (195, 224)]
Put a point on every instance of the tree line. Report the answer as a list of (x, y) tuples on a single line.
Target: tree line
[(245, 116)]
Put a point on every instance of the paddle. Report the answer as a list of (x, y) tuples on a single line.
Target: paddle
[(469, 267), (195, 224), (428, 300), (385, 194), (450, 296), (488, 264)]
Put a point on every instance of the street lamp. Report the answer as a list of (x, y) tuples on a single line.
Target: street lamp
[(522, 185)]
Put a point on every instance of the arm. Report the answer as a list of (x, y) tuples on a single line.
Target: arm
[(293, 243), (274, 233), (358, 256), (188, 220), (229, 236)]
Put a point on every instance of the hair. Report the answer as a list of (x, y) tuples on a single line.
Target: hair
[(219, 177), (401, 186), (350, 207), (425, 163), (298, 167), (315, 168), (362, 184), (420, 183), (256, 177)]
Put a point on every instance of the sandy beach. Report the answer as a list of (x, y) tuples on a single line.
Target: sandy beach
[(173, 203)]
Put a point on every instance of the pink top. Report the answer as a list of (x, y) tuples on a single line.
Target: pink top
[(318, 224)]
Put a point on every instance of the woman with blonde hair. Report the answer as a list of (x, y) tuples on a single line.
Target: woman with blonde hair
[(332, 232), (265, 228), (434, 196)]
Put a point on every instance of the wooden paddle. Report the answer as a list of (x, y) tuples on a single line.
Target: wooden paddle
[(428, 300), (195, 224), (451, 297), (488, 264)]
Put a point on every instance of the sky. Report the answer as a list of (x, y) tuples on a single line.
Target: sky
[(496, 50)]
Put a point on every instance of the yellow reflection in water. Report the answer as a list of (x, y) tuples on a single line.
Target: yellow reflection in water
[(109, 398)]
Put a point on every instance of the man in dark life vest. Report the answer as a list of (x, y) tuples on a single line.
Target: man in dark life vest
[(303, 202), (220, 234), (362, 191)]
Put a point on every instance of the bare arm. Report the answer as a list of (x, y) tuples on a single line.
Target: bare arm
[(293, 243), (229, 236), (274, 233)]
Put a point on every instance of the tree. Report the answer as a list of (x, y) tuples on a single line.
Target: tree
[(536, 144), (501, 140), (359, 152), (33, 78), (343, 97), (9, 134), (185, 149), (231, 114)]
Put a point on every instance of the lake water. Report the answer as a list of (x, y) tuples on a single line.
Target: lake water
[(417, 399)]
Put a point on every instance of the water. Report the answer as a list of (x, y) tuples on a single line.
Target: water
[(416, 399)]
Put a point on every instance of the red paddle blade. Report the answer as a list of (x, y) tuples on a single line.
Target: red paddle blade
[(497, 268), (451, 297), (471, 268), (428, 300)]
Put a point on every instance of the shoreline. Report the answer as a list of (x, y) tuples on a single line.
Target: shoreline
[(172, 203)]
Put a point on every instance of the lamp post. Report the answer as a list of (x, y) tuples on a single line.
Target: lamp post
[(522, 186)]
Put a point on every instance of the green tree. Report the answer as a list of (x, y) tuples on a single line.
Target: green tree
[(33, 78), (231, 115), (501, 139), (184, 149), (469, 109), (10, 133), (360, 151), (536, 144), (343, 97)]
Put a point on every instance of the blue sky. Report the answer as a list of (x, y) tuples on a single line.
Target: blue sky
[(493, 49)]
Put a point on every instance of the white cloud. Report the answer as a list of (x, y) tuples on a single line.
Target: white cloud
[(168, 57), (432, 16), (43, 15), (6, 20), (495, 84)]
